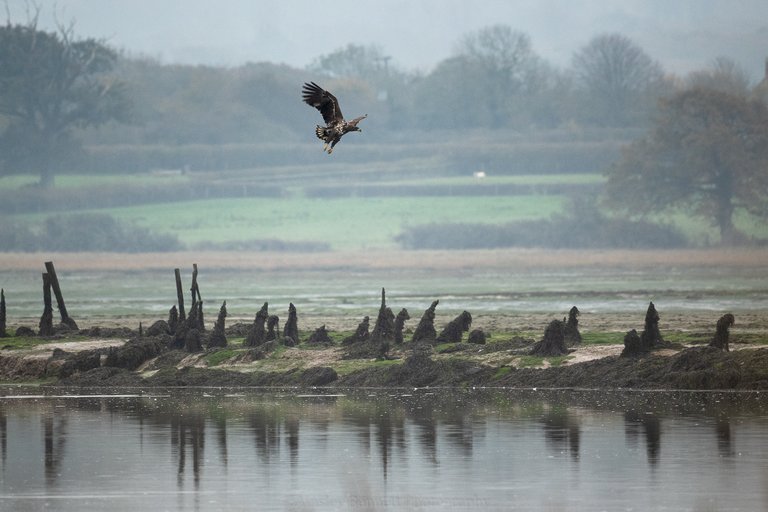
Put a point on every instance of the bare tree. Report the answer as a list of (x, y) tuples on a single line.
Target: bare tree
[(723, 75), (508, 69), (353, 60), (51, 83), (618, 77)]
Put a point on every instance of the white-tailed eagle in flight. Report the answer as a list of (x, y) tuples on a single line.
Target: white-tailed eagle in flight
[(335, 125)]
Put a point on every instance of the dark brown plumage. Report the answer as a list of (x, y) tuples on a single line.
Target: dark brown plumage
[(328, 106)]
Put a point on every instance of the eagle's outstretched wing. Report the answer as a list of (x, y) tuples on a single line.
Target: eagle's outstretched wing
[(322, 100), (356, 120)]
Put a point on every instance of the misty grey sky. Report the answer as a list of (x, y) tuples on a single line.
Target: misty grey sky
[(683, 35)]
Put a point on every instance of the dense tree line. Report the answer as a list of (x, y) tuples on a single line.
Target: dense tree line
[(494, 80)]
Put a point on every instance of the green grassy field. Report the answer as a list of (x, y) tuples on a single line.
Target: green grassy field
[(345, 223), (342, 223)]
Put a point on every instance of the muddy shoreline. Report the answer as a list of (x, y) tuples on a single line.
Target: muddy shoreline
[(99, 358), (110, 353)]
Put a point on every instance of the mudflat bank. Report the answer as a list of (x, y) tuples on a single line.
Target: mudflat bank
[(119, 357), (343, 353)]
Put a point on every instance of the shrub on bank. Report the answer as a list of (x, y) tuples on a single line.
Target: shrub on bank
[(84, 232), (592, 230)]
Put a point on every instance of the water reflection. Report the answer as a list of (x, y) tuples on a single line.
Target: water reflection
[(188, 437), (561, 431), (425, 450), (54, 440), (723, 429), (648, 426)]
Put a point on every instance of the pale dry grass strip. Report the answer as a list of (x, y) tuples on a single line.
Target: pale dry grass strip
[(756, 258)]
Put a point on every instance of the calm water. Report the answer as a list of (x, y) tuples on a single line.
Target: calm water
[(383, 450)]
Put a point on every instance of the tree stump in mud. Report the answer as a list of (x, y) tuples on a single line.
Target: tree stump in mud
[(384, 328), (218, 338), (179, 339), (400, 320), (3, 334), (425, 331), (633, 345), (361, 333), (193, 319), (722, 334), (291, 327), (553, 343), (200, 320), (193, 341), (173, 320), (46, 319), (453, 332), (571, 332), (158, 328), (273, 327), (477, 336), (319, 337), (258, 333), (651, 336)]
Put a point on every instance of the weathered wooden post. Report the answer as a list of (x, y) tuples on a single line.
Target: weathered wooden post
[(46, 320), (180, 295), (197, 302), (195, 289), (65, 318), (3, 334)]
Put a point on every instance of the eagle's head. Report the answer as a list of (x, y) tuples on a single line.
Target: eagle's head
[(351, 126)]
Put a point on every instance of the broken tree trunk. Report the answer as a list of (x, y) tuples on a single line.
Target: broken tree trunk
[(180, 295), (65, 318)]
